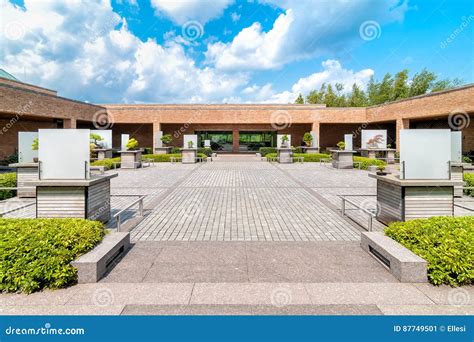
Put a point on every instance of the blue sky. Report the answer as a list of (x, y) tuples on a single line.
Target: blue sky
[(225, 51)]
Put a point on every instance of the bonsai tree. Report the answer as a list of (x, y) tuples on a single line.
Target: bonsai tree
[(308, 139), (95, 138), (381, 170), (35, 145), (132, 144), (389, 146), (190, 144), (284, 140), (166, 139), (341, 145)]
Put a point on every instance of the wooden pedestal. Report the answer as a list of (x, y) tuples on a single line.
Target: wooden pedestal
[(26, 173), (189, 155), (163, 150), (130, 159), (103, 153), (285, 155), (342, 159)]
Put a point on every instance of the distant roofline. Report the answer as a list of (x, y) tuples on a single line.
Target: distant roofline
[(29, 85)]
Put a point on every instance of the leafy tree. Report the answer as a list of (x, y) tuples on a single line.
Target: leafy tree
[(299, 99), (421, 83), (446, 84), (330, 97), (316, 96), (357, 97), (372, 91), (340, 100), (385, 89), (401, 88)]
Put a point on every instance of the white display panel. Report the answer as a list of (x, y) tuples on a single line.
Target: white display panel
[(374, 138), (158, 136), (425, 153), (64, 153), (106, 135), (348, 142), (25, 152), (207, 143), (190, 137), (124, 138), (456, 147), (314, 143), (280, 136)]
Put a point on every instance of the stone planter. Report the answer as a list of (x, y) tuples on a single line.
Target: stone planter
[(130, 159), (103, 153), (25, 174), (86, 198), (342, 159), (285, 155), (189, 155), (457, 174), (163, 150), (403, 200), (388, 154), (311, 150)]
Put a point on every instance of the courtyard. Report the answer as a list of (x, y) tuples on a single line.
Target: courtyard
[(239, 235)]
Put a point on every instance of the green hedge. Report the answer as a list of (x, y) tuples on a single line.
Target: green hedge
[(37, 253), (176, 150), (366, 162), (205, 150), (446, 243), (469, 179), (312, 157), (266, 150), (7, 180), (166, 158), (107, 163)]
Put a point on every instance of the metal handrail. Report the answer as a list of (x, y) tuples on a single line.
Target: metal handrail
[(140, 209), (358, 207)]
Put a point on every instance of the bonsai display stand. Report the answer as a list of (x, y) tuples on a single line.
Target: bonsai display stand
[(342, 159), (130, 159), (163, 150), (103, 153), (25, 173), (457, 174), (311, 150), (284, 155), (81, 198), (189, 155), (388, 154), (403, 200)]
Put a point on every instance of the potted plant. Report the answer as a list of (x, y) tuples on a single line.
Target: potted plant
[(132, 144), (284, 141), (166, 139), (35, 147), (190, 144), (308, 139), (341, 145), (381, 170)]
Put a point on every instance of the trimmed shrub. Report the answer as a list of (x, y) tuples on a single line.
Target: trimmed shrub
[(446, 243), (176, 150), (37, 253), (205, 150), (366, 162), (7, 180), (148, 150), (316, 157), (108, 163), (469, 179), (161, 158), (266, 150)]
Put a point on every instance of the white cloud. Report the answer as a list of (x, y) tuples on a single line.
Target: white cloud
[(305, 29), (332, 73), (235, 16), (91, 55), (185, 10)]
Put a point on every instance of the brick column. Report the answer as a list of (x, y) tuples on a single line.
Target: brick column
[(401, 124), (235, 139), (156, 129), (69, 123), (315, 127)]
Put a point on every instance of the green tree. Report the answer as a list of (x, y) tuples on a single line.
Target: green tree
[(340, 100), (299, 99), (357, 97), (330, 97), (385, 89), (446, 84), (372, 91), (421, 83), (317, 96), (400, 86)]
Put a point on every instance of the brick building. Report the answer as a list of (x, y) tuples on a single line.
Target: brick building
[(238, 127)]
